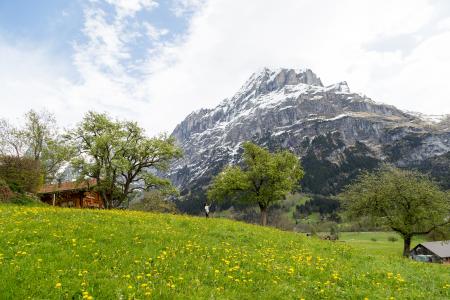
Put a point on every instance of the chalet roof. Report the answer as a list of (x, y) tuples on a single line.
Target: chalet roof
[(440, 248), (67, 186)]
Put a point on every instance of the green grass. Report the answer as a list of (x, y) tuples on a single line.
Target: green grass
[(377, 243), (54, 253)]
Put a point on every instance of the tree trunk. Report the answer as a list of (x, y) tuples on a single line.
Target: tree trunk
[(406, 246), (263, 215), (106, 200)]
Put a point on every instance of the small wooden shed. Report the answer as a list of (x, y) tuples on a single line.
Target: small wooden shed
[(436, 251), (72, 194)]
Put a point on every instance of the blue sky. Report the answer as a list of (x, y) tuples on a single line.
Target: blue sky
[(155, 61), (58, 24), (56, 21)]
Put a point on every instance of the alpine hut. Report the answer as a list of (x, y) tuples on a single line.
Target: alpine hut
[(72, 194), (432, 252)]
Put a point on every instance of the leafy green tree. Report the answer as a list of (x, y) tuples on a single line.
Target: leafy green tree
[(263, 179), (121, 157), (406, 201)]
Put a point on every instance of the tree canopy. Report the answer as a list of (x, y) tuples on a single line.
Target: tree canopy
[(407, 202), (121, 157), (263, 179)]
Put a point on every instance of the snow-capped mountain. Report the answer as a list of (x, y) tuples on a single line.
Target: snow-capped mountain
[(336, 132)]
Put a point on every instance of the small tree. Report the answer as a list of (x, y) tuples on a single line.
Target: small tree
[(406, 201), (264, 178), (334, 231)]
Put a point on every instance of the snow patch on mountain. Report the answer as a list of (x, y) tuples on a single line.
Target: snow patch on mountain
[(287, 107)]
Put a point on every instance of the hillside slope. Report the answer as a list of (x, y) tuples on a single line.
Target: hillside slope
[(336, 132), (54, 253)]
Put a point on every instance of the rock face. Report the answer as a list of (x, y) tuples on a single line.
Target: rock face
[(337, 133)]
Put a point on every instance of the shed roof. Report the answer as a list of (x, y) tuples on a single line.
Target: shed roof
[(440, 248), (67, 186)]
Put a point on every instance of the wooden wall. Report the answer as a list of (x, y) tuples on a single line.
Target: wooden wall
[(79, 199)]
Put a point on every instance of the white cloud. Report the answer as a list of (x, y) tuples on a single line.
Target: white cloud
[(32, 77), (28, 79), (228, 40), (396, 52), (444, 24), (420, 81), (155, 33), (183, 7), (126, 8)]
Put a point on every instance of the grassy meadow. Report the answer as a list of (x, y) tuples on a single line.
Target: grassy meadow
[(56, 253), (377, 243)]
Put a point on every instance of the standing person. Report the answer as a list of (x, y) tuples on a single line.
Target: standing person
[(207, 209)]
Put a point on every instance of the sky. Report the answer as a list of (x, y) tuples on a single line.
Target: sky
[(155, 61)]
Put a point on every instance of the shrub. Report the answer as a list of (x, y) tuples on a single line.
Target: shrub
[(280, 220), (5, 191), (334, 232), (25, 200), (154, 201), (373, 239), (392, 239), (20, 174)]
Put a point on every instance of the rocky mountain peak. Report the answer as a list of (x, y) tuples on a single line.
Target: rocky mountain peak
[(268, 80), (340, 87), (336, 133)]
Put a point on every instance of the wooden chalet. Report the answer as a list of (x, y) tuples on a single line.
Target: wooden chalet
[(433, 252), (72, 194)]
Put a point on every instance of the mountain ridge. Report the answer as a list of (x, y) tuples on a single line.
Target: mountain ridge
[(292, 109)]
